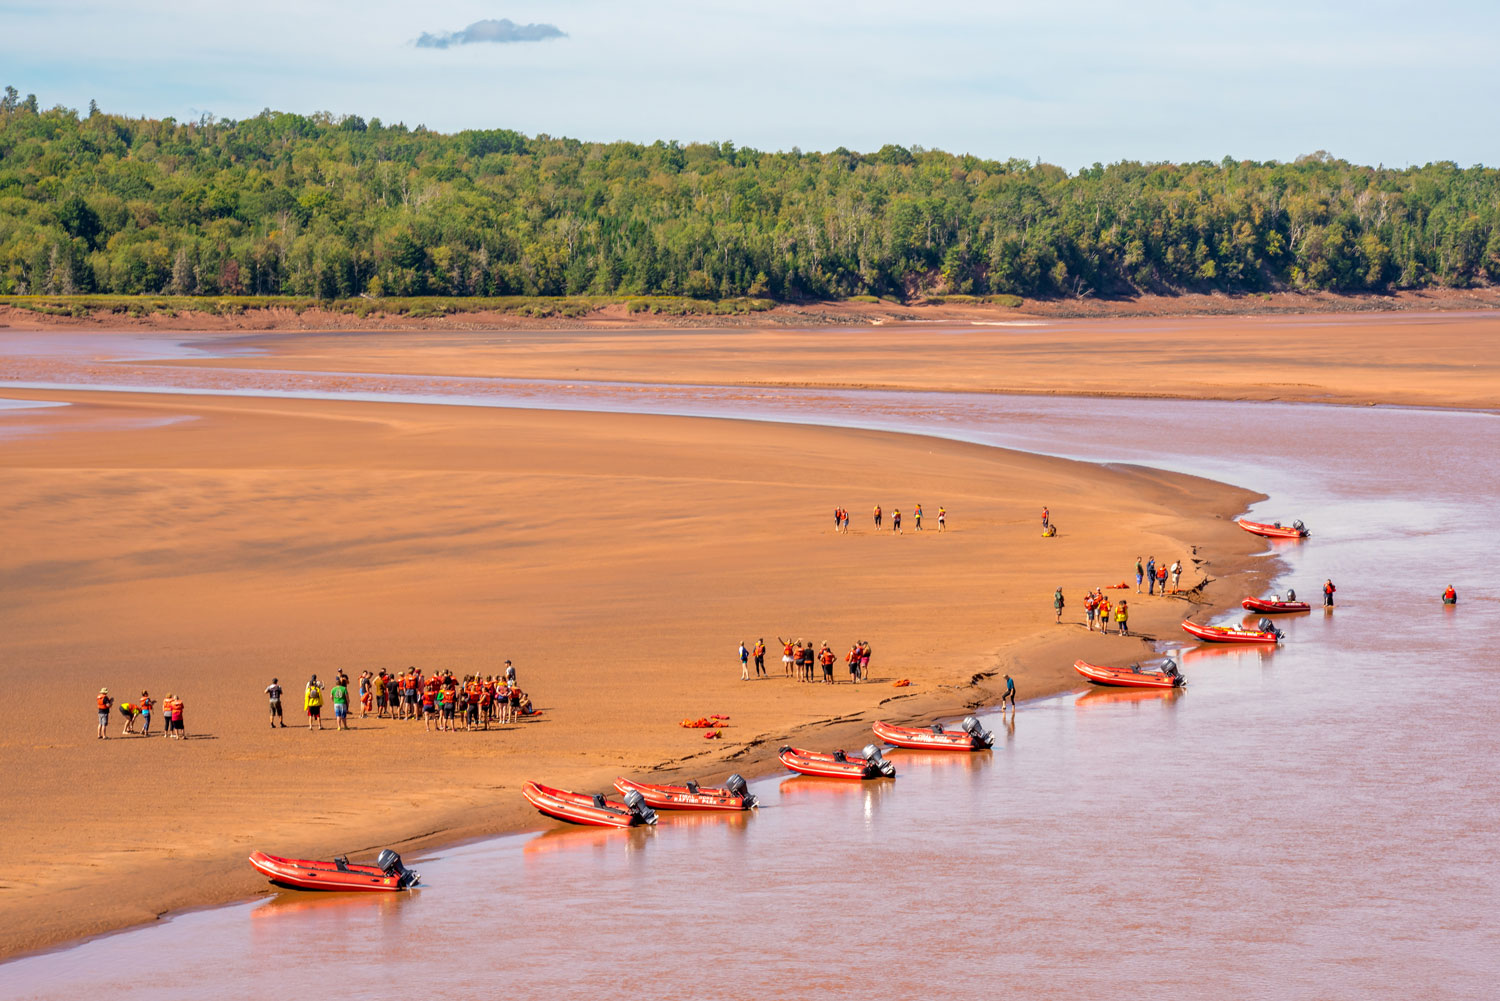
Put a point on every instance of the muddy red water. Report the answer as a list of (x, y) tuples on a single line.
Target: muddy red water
[(1317, 821)]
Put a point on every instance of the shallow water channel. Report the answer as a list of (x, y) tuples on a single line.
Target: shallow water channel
[(1318, 821)]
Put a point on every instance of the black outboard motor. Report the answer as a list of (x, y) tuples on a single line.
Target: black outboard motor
[(1300, 527), (735, 785), (1169, 668), (1267, 626), (877, 763), (637, 804), (971, 726), (390, 864)]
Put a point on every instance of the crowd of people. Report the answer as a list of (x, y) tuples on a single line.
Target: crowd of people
[(442, 701), (841, 519), (804, 662), (140, 711)]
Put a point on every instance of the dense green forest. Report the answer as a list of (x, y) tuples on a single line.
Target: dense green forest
[(329, 207)]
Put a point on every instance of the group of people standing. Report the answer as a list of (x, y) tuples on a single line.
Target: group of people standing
[(443, 701), (1156, 576), (800, 660), (1096, 605), (140, 711), (841, 519)]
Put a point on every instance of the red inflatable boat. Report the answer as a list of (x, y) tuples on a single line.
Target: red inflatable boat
[(838, 765), (1296, 530), (386, 876), (733, 795), (580, 808), (1233, 634), (1273, 606), (1130, 677), (969, 736)]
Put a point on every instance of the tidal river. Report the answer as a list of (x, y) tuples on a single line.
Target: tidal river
[(1319, 821)]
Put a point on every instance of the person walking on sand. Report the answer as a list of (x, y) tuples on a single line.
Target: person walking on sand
[(1122, 617), (896, 522), (877, 517), (760, 657), (1140, 573), (838, 518), (312, 703), (1010, 691), (1058, 602), (339, 695), (1161, 578), (942, 518), (175, 709), (1176, 575), (146, 702), (744, 662), (1151, 575), (1090, 605), (1328, 590), (1046, 519), (105, 702), (916, 518), (1104, 611)]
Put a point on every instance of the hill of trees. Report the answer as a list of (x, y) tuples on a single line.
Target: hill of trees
[(332, 207)]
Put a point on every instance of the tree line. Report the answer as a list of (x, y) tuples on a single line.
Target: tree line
[(334, 207)]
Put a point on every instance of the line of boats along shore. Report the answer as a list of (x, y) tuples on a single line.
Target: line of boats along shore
[(638, 802)]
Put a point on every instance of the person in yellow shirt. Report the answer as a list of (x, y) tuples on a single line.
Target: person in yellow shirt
[(312, 701)]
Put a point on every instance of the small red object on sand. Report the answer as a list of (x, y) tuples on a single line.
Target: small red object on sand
[(713, 735), (901, 684)]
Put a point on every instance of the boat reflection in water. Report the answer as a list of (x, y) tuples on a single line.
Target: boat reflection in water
[(1095, 698), (1226, 656), (582, 839), (909, 760)]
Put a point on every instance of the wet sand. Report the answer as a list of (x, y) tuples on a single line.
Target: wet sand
[(208, 545), (1448, 359)]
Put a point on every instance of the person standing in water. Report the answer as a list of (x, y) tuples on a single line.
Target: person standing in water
[(1058, 603), (1450, 596), (1328, 590), (1010, 687)]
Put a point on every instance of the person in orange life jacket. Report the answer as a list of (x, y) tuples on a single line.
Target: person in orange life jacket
[(760, 657), (1328, 590), (146, 702), (105, 702)]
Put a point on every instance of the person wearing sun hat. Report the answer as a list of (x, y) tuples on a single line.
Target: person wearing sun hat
[(105, 702)]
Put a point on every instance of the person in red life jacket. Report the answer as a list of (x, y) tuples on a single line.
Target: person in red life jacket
[(105, 703), (1328, 590), (786, 657), (1450, 596), (852, 658), (760, 644), (1046, 518), (827, 657)]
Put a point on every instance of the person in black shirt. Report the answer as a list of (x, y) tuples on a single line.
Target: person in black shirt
[(273, 692)]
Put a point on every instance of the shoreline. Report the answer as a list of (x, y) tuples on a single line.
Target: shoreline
[(1026, 653), (186, 314)]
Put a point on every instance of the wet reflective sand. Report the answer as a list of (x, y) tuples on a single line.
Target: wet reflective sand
[(1317, 821)]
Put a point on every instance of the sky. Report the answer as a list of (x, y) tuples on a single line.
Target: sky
[(1070, 82)]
